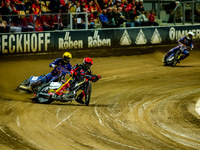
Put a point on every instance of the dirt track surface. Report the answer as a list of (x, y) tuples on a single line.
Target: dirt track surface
[(138, 104)]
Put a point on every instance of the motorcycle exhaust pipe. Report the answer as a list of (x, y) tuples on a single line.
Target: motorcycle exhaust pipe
[(23, 88), (44, 95)]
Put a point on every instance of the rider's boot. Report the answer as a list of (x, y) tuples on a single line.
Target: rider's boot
[(79, 99)]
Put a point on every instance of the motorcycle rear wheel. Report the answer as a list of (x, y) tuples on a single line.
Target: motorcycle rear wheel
[(174, 63), (88, 91)]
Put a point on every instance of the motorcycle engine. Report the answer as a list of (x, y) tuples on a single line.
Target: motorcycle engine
[(70, 95)]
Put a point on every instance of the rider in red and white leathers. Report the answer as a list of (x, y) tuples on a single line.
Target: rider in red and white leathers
[(78, 72)]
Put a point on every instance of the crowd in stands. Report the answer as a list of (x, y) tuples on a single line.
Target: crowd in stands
[(43, 15)]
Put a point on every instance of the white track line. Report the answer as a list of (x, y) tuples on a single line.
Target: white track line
[(98, 115), (57, 112), (65, 119), (18, 123), (197, 107), (10, 135)]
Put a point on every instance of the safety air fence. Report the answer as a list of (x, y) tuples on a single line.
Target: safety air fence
[(59, 41)]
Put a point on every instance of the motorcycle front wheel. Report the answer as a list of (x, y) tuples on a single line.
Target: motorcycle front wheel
[(42, 95), (175, 59)]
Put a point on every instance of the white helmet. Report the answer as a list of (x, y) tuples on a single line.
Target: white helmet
[(190, 35)]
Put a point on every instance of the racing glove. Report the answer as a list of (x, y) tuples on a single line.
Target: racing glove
[(52, 65), (95, 78)]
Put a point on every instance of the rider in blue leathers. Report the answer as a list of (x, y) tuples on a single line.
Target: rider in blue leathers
[(61, 67), (185, 41)]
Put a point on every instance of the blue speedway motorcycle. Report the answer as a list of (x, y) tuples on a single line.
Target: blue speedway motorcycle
[(174, 58), (25, 85)]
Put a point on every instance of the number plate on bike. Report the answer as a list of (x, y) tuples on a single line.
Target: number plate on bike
[(34, 78)]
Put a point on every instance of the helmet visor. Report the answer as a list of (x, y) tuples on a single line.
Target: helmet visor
[(66, 59), (190, 36), (88, 65)]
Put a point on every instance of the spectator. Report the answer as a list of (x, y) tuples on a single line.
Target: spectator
[(110, 16), (82, 23), (39, 24), (132, 3), (90, 7), (108, 4), (35, 8), (169, 9), (125, 3), (28, 4), (96, 6), (12, 8), (100, 3), (119, 18), (65, 7), (3, 2), (151, 18), (77, 7), (14, 11), (74, 9), (35, 21), (118, 4), (24, 24), (31, 21), (5, 12), (143, 19), (129, 6), (127, 19), (56, 22), (139, 5), (94, 19), (15, 26), (3, 27), (105, 2), (43, 20), (104, 20), (19, 5), (83, 5), (134, 16), (114, 13)]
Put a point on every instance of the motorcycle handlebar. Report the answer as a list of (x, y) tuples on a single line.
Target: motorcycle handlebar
[(187, 47), (88, 76)]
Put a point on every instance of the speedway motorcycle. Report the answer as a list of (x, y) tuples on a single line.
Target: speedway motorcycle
[(24, 86), (174, 58), (44, 94)]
